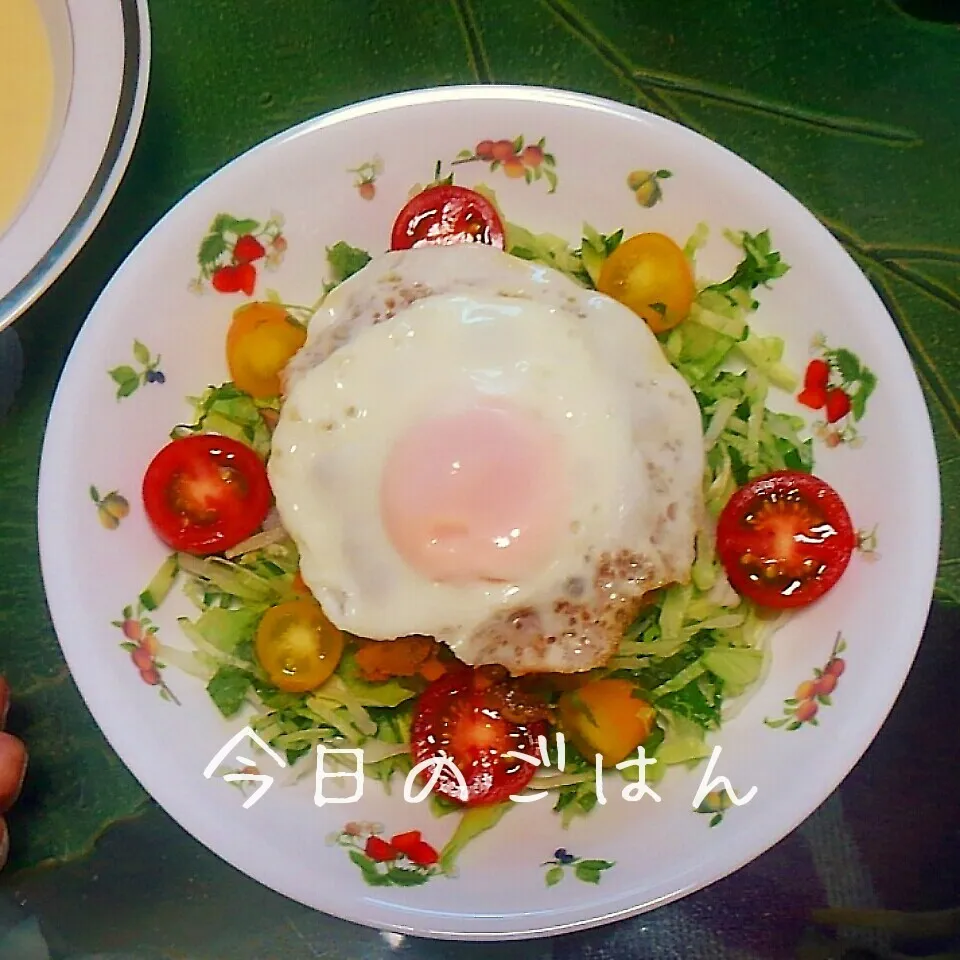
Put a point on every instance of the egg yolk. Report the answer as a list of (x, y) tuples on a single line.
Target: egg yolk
[(478, 495)]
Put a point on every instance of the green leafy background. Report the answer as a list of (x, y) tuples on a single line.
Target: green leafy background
[(850, 104)]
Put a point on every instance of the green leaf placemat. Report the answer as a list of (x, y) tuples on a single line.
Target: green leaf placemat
[(852, 107)]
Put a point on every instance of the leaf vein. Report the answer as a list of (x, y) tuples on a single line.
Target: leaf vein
[(926, 367), (476, 51), (43, 683), (888, 135), (584, 31), (936, 290), (643, 78), (879, 256), (891, 252)]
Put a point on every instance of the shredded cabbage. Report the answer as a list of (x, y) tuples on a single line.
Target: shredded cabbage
[(697, 653)]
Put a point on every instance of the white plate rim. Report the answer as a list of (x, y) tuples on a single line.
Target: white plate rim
[(125, 746), (90, 200)]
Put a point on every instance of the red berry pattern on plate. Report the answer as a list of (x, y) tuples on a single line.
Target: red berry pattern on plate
[(129, 379), (402, 860), (233, 250), (587, 871), (802, 708), (528, 162), (247, 250), (645, 185), (838, 385), (140, 641), (140, 634), (365, 178)]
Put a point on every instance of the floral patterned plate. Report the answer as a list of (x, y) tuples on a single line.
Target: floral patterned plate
[(555, 160)]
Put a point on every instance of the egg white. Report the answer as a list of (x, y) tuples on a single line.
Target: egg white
[(427, 332)]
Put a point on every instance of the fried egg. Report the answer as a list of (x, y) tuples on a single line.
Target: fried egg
[(475, 448)]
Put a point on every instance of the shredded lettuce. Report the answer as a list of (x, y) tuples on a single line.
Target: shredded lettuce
[(345, 261), (232, 596), (581, 264), (226, 629), (576, 800), (160, 586), (737, 667), (683, 741), (228, 688), (695, 241), (548, 249), (760, 265), (232, 579), (595, 248), (694, 652), (388, 693), (229, 411), (701, 645)]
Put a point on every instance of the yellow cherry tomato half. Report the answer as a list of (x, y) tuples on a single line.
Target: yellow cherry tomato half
[(605, 717), (297, 646), (650, 274), (260, 343)]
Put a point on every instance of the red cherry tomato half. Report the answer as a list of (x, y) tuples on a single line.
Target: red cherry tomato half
[(447, 214), (206, 493), (785, 539), (455, 719)]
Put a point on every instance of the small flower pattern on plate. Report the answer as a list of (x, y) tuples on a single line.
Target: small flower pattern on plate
[(112, 507), (403, 860), (365, 177), (715, 804), (802, 708), (837, 383), (585, 870), (645, 185), (141, 643), (247, 770), (129, 379), (519, 161), (231, 252), (867, 543)]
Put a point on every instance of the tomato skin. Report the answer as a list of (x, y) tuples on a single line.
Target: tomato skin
[(453, 719), (380, 851), (423, 855), (206, 493), (785, 539), (406, 842), (299, 585), (447, 214), (650, 274), (838, 404), (297, 646), (606, 717), (260, 342)]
